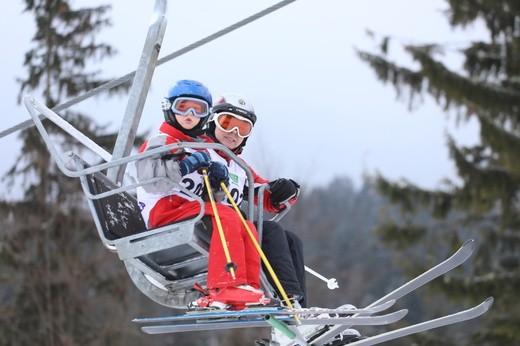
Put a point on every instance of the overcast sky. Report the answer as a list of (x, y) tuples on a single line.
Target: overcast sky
[(322, 113)]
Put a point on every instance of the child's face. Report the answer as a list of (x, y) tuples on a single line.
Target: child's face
[(230, 139), (187, 121)]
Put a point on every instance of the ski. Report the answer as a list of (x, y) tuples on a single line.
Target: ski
[(459, 257), (260, 312), (358, 320), (262, 322), (427, 325)]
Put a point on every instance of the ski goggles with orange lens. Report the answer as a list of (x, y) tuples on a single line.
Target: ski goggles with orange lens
[(184, 105), (227, 122)]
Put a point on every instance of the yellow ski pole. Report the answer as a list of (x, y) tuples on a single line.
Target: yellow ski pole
[(230, 266), (260, 251)]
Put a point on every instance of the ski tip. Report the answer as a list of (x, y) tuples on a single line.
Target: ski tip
[(487, 303), (140, 320), (469, 242), (384, 306), (148, 330), (468, 247), (401, 313)]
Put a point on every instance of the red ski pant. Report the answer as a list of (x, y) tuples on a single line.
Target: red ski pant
[(241, 248)]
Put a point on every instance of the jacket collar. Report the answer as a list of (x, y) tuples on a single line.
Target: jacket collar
[(172, 131)]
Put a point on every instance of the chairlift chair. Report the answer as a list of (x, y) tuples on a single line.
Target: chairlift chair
[(164, 263)]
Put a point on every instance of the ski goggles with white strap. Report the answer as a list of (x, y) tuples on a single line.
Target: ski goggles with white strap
[(228, 122), (184, 105)]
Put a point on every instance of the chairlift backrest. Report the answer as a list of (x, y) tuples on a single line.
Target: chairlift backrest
[(117, 212), (165, 273)]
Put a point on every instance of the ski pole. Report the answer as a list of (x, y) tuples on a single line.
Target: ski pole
[(331, 283), (230, 266), (259, 249)]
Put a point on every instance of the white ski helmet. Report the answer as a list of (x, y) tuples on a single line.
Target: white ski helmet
[(231, 103), (236, 104)]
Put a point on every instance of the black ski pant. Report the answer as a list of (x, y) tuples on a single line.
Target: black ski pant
[(284, 251)]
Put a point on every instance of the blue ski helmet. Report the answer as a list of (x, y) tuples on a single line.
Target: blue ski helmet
[(186, 88)]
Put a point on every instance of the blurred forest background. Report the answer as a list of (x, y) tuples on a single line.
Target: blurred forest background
[(59, 286)]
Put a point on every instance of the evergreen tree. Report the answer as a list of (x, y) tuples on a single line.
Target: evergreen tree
[(484, 205), (58, 283)]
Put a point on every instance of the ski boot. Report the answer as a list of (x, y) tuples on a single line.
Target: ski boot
[(346, 337), (294, 299), (313, 331), (232, 298)]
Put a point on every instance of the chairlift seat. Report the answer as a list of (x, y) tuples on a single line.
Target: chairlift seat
[(164, 263)]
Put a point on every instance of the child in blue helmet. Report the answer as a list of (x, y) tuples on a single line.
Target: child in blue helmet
[(186, 109)]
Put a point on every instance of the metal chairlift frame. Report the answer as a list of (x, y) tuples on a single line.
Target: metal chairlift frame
[(163, 263)]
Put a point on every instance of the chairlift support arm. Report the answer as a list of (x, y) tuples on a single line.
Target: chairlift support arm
[(141, 85)]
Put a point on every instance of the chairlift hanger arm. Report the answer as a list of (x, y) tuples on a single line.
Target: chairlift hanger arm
[(139, 90)]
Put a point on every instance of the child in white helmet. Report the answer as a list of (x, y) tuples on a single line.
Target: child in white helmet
[(232, 121)]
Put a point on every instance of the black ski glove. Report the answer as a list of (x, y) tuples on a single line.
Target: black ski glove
[(283, 190), (217, 173)]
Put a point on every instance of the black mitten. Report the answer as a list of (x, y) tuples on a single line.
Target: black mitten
[(283, 190)]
